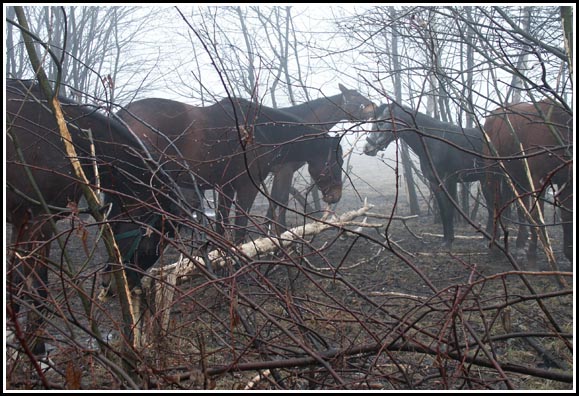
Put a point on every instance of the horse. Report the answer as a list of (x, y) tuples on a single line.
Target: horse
[(326, 112), (539, 136), (232, 146), (448, 153), (40, 187)]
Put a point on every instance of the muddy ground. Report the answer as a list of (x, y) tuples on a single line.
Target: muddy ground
[(378, 309)]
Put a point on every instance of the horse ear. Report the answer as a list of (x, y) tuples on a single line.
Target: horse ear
[(342, 88)]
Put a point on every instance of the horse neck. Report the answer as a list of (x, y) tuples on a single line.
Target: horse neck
[(423, 125), (284, 128), (326, 110), (409, 133), (117, 145), (310, 149)]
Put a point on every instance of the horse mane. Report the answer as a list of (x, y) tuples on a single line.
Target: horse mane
[(432, 125), (267, 115), (307, 106)]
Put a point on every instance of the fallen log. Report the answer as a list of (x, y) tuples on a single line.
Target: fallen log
[(456, 236), (158, 289)]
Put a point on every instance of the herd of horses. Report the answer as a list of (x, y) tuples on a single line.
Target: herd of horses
[(522, 150), (235, 144), (151, 151)]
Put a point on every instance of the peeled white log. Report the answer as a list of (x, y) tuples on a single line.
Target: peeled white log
[(263, 245), (159, 288)]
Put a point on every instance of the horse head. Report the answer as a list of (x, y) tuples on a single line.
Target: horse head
[(383, 131), (326, 170), (355, 105)]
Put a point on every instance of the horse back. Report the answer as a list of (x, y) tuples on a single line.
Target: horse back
[(207, 141), (35, 149), (543, 134)]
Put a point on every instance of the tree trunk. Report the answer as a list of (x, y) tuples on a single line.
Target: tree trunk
[(405, 155), (567, 20)]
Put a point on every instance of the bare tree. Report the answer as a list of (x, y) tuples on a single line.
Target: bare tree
[(95, 45), (406, 161)]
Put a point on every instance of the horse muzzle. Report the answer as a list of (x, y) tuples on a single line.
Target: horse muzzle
[(370, 149), (369, 111), (333, 195)]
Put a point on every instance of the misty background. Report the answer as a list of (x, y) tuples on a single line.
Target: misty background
[(453, 63)]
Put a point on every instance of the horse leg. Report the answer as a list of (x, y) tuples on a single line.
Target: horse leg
[(565, 199), (224, 202), (501, 198), (451, 187), (464, 200), (495, 193), (244, 200), (447, 212), (523, 234), (280, 191), (532, 249), (27, 280), (489, 191)]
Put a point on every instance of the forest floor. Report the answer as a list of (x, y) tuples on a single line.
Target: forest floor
[(421, 316)]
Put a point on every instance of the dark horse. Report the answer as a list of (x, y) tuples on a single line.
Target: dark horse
[(325, 112), (232, 146), (543, 134), (40, 184), (448, 153)]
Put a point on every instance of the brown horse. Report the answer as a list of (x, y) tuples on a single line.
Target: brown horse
[(232, 146), (348, 105), (40, 184), (540, 135)]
